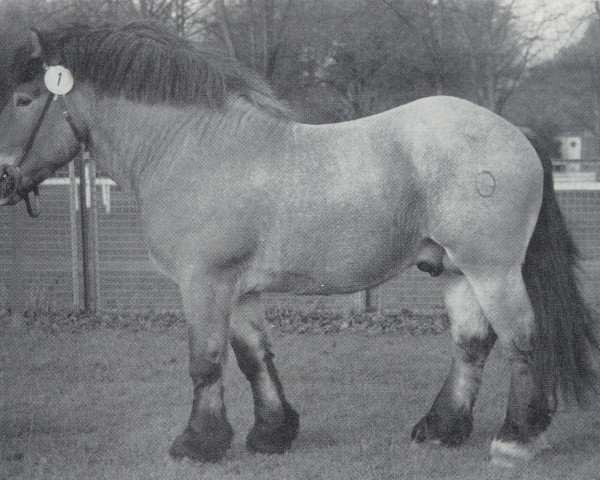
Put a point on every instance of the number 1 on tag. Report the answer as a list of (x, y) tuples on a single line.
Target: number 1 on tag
[(58, 80)]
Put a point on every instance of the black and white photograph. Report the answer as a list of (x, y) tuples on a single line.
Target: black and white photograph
[(299, 239)]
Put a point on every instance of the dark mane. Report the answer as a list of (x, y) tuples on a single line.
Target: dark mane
[(147, 62)]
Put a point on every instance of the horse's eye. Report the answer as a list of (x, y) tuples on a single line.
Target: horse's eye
[(23, 101)]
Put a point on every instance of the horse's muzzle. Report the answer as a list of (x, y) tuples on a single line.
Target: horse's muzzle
[(9, 178), (10, 194)]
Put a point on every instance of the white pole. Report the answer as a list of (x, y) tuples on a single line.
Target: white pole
[(74, 242)]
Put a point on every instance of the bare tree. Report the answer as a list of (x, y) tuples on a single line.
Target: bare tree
[(254, 30), (477, 49), (500, 50), (576, 76), (429, 23), (188, 17), (350, 75), (224, 27)]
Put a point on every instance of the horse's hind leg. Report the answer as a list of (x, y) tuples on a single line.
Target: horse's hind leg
[(276, 422), (207, 308), (506, 304), (450, 419)]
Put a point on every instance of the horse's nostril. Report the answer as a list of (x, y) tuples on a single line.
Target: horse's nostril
[(7, 181)]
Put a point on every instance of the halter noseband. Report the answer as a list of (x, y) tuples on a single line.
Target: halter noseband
[(33, 211)]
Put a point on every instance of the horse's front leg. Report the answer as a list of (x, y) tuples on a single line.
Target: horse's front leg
[(276, 421), (206, 304)]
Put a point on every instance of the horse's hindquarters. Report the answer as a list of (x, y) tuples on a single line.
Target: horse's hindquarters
[(482, 192)]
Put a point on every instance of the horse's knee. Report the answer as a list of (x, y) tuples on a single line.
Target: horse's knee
[(204, 371), (249, 338), (207, 357)]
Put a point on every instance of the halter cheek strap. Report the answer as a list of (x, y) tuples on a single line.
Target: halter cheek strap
[(36, 129), (33, 210)]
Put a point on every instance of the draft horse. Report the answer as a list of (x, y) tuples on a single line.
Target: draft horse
[(237, 198)]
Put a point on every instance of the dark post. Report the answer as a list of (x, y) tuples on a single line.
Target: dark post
[(370, 301), (88, 289), (16, 295)]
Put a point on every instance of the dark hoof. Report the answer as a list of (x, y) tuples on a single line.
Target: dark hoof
[(274, 437), (450, 433), (203, 447)]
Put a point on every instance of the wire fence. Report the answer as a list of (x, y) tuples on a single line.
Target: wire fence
[(37, 261)]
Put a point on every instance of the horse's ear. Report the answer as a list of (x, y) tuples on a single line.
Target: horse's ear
[(44, 48), (40, 46), (36, 43)]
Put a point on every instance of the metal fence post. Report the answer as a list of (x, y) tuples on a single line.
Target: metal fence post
[(88, 277), (371, 300)]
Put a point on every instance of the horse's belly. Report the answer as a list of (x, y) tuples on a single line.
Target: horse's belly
[(343, 247), (302, 283), (348, 264)]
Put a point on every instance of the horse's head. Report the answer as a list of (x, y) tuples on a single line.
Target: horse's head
[(35, 136)]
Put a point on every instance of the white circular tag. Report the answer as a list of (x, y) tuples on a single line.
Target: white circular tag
[(58, 80)]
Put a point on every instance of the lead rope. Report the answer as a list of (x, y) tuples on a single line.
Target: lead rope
[(34, 210), (79, 136)]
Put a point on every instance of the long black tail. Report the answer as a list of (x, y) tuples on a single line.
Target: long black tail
[(566, 326)]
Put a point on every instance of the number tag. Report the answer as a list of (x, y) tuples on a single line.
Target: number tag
[(58, 80)]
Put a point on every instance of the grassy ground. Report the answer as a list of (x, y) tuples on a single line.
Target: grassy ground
[(105, 404)]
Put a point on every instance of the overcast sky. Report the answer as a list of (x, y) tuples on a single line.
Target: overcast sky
[(558, 22)]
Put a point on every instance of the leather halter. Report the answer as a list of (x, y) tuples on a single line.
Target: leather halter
[(33, 211)]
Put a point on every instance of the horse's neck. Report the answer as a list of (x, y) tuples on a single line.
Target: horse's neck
[(131, 140), (126, 136)]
